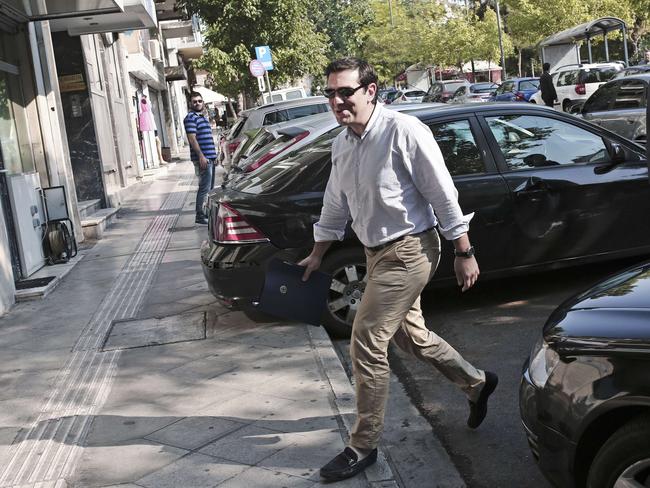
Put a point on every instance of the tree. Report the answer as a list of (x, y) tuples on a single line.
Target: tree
[(234, 28)]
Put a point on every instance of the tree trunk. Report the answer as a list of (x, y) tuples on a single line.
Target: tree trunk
[(519, 62)]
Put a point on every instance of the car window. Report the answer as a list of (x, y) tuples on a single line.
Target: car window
[(532, 141), (568, 78), (529, 85), (237, 127), (293, 94), (487, 88), (275, 117), (305, 110), (630, 95), (597, 75), (602, 99), (460, 91), (415, 93), (508, 86), (458, 146), (435, 88)]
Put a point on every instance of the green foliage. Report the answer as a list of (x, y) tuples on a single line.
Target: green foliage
[(342, 21), (234, 28)]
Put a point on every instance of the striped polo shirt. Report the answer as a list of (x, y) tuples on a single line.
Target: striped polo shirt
[(195, 123)]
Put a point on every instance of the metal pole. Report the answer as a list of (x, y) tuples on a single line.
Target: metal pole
[(589, 49), (268, 85), (390, 9), (627, 61), (503, 59), (606, 46)]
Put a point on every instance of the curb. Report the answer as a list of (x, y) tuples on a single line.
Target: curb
[(380, 474)]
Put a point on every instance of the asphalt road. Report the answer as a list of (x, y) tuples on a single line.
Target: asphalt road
[(493, 326)]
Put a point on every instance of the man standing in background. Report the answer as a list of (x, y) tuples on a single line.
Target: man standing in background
[(202, 151), (549, 95)]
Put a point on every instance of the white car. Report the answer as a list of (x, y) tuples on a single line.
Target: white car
[(574, 83), (411, 95)]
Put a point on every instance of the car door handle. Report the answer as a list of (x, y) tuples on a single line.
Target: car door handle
[(532, 184)]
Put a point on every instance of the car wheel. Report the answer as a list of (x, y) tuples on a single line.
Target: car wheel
[(624, 460), (532, 101), (566, 105), (348, 270)]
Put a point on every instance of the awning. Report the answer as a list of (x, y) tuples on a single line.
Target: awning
[(208, 95), (584, 31), (175, 73)]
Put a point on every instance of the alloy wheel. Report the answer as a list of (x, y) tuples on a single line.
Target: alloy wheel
[(635, 476), (346, 290)]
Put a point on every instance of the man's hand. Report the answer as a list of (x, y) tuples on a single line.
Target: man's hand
[(311, 263), (203, 161), (466, 272)]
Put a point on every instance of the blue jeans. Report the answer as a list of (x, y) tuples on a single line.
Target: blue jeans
[(205, 184)]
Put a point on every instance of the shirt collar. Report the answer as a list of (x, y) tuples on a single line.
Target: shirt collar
[(376, 113)]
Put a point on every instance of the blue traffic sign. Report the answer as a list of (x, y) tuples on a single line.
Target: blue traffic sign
[(263, 54)]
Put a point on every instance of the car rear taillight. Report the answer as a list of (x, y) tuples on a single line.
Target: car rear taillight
[(232, 146), (520, 97), (230, 226), (275, 151), (581, 89)]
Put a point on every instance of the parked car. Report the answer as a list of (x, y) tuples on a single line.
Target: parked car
[(516, 90), (548, 190), (442, 91), (409, 95), (577, 82), (638, 69), (620, 106), (386, 95), (474, 92), (585, 396), (272, 113)]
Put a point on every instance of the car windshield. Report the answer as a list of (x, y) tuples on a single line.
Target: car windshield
[(237, 127), (304, 171), (453, 86)]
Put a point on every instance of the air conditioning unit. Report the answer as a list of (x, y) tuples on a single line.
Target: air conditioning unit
[(154, 50), (27, 209)]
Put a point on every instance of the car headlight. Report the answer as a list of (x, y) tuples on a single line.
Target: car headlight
[(543, 360)]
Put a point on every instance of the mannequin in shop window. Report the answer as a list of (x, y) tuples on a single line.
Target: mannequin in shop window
[(147, 127)]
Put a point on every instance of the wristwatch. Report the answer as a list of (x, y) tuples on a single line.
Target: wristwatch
[(464, 254)]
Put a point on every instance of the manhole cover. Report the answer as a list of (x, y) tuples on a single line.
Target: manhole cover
[(34, 283), (128, 334)]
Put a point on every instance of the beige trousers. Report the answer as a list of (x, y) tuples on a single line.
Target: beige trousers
[(390, 309)]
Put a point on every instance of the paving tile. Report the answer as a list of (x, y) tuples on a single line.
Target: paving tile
[(192, 471), (123, 463), (264, 478), (194, 432), (107, 430), (248, 408), (306, 455), (248, 445)]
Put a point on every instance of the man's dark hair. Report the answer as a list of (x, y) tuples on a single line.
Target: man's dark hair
[(546, 66), (195, 94), (367, 73)]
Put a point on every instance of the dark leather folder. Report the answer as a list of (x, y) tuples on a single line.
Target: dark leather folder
[(286, 295)]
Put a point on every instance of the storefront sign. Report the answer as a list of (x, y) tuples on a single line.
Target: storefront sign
[(69, 83)]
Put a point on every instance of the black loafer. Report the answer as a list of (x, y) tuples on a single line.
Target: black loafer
[(346, 465), (478, 409)]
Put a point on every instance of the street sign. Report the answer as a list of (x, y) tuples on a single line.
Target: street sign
[(256, 68), (260, 83), (263, 54)]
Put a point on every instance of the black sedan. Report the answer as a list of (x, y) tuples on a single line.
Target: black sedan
[(547, 190), (585, 391)]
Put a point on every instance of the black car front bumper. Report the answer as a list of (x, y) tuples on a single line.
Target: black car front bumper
[(553, 452), (235, 272)]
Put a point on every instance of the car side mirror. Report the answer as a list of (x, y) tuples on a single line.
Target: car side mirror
[(617, 153)]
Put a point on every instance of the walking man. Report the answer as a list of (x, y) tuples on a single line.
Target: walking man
[(388, 176), (549, 95), (202, 151)]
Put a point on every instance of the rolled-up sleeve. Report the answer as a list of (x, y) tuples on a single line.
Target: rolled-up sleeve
[(432, 179), (335, 213)]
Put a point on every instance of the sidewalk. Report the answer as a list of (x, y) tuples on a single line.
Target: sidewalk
[(130, 373)]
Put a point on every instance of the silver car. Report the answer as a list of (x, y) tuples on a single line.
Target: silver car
[(620, 106)]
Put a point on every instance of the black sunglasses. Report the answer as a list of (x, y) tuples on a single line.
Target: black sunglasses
[(197, 101), (345, 92)]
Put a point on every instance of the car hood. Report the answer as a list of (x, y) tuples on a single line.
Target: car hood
[(613, 313)]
